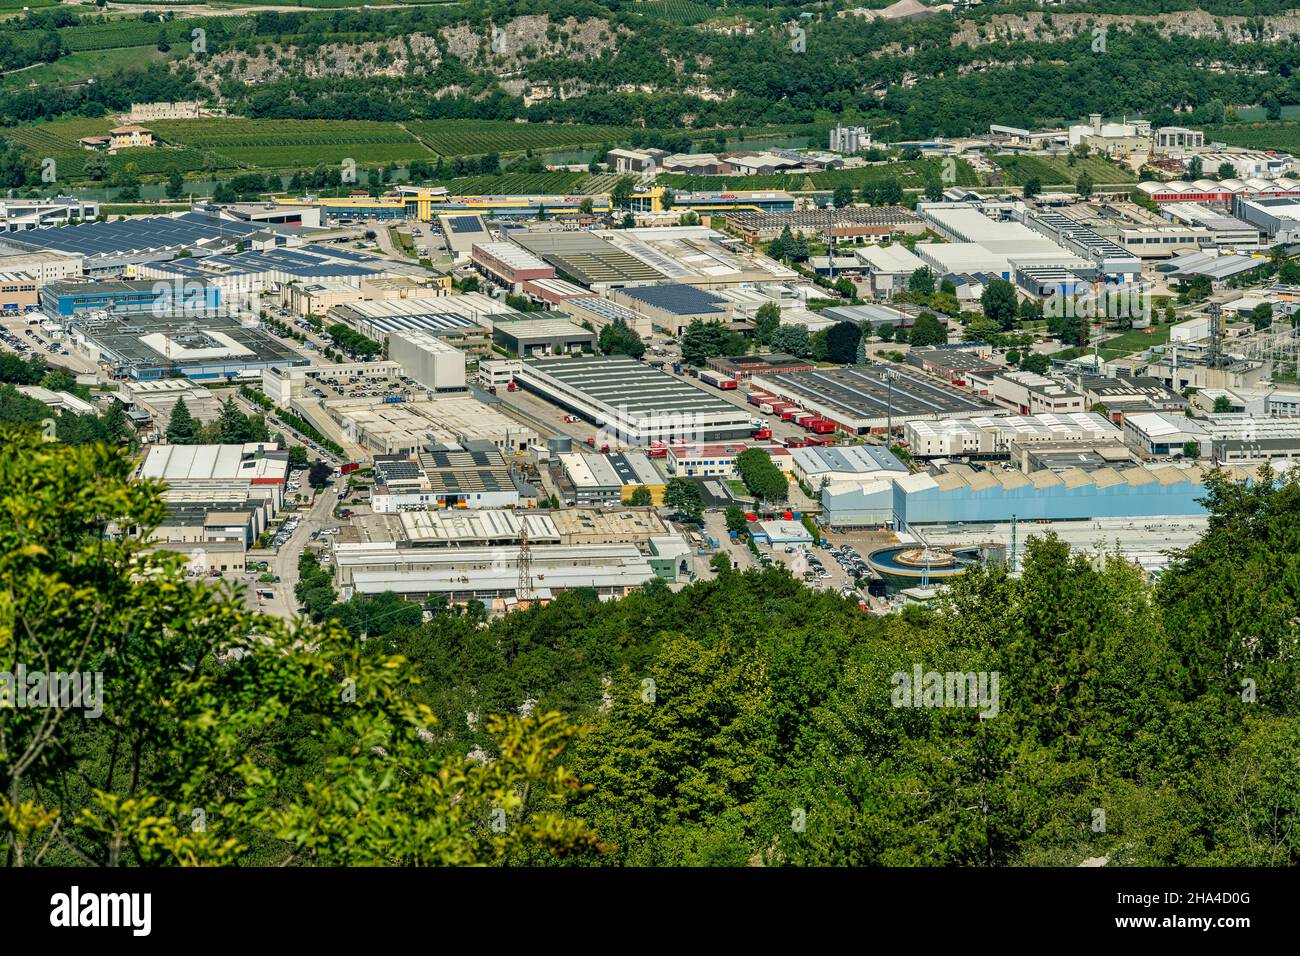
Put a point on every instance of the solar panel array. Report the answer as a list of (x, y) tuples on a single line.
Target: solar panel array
[(465, 223), (677, 299), (149, 233), (308, 262)]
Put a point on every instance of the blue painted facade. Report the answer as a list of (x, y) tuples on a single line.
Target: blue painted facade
[(1056, 503), (66, 299)]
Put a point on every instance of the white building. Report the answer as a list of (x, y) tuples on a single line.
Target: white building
[(429, 360)]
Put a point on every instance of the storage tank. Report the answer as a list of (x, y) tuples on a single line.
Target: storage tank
[(559, 445)]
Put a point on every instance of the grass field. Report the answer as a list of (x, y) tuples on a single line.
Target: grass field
[(58, 141), (75, 67), (1134, 340), (1282, 136), (1058, 172)]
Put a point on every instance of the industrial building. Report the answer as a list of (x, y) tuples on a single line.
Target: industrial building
[(673, 306), (743, 367), (588, 259), (18, 215), (486, 527), (554, 292), (1127, 396), (849, 222), (462, 233), (145, 346), (151, 403), (470, 475), (990, 437), (108, 248), (493, 574), (611, 479), (509, 265), (403, 428), (632, 402), (1027, 393), (697, 256), (598, 313), (859, 399), (1157, 435), (65, 299), (815, 465), (542, 336), (17, 292), (42, 266), (463, 320), (429, 360), (888, 267), (1276, 216), (256, 468), (955, 366)]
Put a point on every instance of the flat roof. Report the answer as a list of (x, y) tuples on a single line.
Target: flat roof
[(857, 395), (618, 381)]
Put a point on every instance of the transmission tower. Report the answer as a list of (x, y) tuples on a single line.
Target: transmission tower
[(525, 583), (1214, 356)]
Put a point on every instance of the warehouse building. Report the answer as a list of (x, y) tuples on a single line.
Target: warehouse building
[(18, 215), (598, 313), (403, 428), (1157, 435), (588, 259), (1277, 216), (221, 474), (429, 360), (1224, 232), (491, 575), (65, 299), (697, 256), (457, 528), (151, 403), (816, 465), (1027, 393), (462, 233), (144, 346), (465, 324), (509, 265), (991, 437), (632, 402), (955, 366), (42, 266), (472, 475), (108, 248), (1127, 396), (961, 494), (542, 336), (611, 479), (888, 267), (744, 367), (555, 292), (671, 307), (859, 399)]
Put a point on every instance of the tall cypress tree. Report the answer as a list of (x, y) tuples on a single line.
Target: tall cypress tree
[(182, 427)]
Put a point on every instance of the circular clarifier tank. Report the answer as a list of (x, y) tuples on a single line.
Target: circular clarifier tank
[(907, 565)]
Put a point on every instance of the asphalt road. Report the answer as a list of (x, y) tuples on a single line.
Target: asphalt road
[(285, 562)]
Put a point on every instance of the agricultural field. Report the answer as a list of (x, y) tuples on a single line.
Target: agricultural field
[(519, 184), (457, 137), (1275, 135), (1018, 170), (75, 67), (58, 141), (684, 12), (295, 144), (118, 33), (911, 174)]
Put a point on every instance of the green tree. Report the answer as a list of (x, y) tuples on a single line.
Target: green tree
[(928, 330), (999, 303), (1083, 185), (1222, 405), (921, 280), (182, 427), (842, 341), (791, 338), (766, 321), (310, 730), (683, 495), (640, 497), (842, 195), (761, 476)]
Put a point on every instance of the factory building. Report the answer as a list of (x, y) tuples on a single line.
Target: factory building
[(429, 360), (42, 266), (1026, 393), (888, 267), (1157, 435), (611, 479), (383, 427), (991, 437), (509, 265), (144, 346), (542, 336), (632, 402), (472, 475), (18, 215), (859, 399), (65, 299), (1276, 216), (673, 306), (815, 465), (492, 575)]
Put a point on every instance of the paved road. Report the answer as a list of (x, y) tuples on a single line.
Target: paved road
[(285, 563)]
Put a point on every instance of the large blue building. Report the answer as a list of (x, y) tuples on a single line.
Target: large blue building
[(961, 494), (66, 299)]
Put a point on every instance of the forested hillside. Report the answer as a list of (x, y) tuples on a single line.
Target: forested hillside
[(747, 720), (617, 64)]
